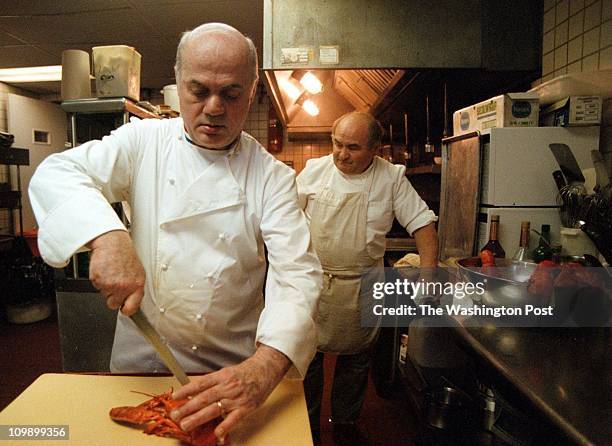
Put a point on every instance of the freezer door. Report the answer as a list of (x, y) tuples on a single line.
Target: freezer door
[(518, 164)]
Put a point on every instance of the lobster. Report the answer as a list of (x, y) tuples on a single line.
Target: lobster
[(154, 414)]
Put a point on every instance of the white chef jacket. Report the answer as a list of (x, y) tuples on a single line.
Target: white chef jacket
[(199, 221), (391, 195)]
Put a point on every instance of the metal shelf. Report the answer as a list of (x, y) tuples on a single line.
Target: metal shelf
[(106, 105), (418, 170)]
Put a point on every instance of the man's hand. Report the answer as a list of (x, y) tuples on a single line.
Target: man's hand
[(116, 270), (231, 392)]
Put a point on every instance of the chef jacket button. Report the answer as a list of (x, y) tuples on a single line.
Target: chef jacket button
[(199, 316), (164, 267), (194, 347), (191, 285), (171, 181), (162, 310), (223, 236)]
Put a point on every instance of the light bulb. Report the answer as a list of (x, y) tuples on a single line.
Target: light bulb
[(311, 83), (292, 91), (310, 107)]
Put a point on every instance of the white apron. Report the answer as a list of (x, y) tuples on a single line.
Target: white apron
[(338, 231)]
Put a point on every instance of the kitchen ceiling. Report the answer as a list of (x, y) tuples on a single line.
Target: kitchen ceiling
[(35, 32)]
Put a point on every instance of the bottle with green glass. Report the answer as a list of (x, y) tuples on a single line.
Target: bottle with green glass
[(544, 250)]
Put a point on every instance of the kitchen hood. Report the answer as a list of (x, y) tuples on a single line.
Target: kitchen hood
[(312, 114), (366, 53)]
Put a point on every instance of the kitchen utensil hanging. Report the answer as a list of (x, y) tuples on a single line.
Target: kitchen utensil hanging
[(572, 194)]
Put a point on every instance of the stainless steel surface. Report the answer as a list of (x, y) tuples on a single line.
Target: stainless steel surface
[(106, 105), (459, 195), (86, 327), (409, 33), (563, 373), (505, 284), (162, 350)]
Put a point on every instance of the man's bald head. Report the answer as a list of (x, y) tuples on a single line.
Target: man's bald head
[(234, 39), (363, 119)]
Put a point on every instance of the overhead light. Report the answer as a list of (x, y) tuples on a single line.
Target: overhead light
[(31, 74), (292, 91), (311, 83), (310, 107)]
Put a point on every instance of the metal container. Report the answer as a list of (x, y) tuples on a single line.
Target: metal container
[(504, 285)]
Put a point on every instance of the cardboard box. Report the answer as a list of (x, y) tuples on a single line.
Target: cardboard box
[(507, 110), (573, 111), (117, 71)]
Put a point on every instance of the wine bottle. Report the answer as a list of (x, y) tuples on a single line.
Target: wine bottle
[(522, 253), (544, 250), (493, 244)]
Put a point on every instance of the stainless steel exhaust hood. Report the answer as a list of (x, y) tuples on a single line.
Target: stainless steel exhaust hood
[(366, 51), (342, 91)]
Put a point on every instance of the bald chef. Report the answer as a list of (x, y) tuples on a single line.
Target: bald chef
[(205, 198), (350, 199)]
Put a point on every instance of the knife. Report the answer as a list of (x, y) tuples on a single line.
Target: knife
[(567, 162), (162, 350)]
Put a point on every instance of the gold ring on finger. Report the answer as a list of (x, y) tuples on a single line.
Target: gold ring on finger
[(222, 409)]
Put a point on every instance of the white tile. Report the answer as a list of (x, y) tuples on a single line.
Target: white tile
[(576, 25), (574, 50), (605, 58), (547, 77), (606, 34), (549, 20), (561, 34), (548, 63), (561, 72), (606, 10), (591, 63), (591, 41), (592, 15), (575, 67), (548, 42), (560, 57), (549, 4), (562, 11), (575, 6)]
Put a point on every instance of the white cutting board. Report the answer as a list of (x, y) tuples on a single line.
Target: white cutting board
[(83, 401)]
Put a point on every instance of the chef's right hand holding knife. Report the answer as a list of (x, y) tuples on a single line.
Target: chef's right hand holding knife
[(116, 271)]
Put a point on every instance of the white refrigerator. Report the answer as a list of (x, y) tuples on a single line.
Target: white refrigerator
[(517, 182)]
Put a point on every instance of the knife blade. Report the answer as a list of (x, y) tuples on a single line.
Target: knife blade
[(567, 162), (162, 350)]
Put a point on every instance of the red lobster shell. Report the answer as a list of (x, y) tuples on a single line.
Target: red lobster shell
[(154, 414)]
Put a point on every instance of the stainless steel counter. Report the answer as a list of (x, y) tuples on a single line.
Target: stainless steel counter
[(565, 373)]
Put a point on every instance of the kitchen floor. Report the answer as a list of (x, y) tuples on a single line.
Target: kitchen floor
[(27, 351)]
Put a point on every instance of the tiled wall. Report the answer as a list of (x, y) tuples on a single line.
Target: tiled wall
[(577, 37), (294, 152)]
